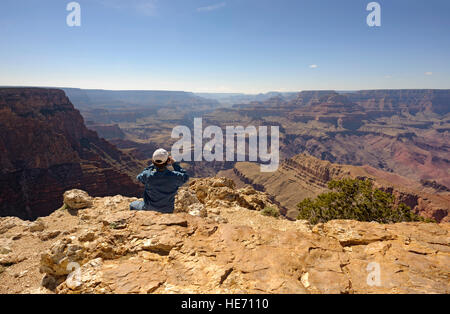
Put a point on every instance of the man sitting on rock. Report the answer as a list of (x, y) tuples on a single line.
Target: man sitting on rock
[(161, 184)]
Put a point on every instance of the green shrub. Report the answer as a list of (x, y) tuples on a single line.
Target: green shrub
[(355, 199), (270, 211)]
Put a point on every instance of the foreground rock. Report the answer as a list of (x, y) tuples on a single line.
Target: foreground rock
[(112, 250), (77, 199), (205, 197)]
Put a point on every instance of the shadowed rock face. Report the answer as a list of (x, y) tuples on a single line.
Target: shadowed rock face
[(46, 149), (229, 249), (108, 132)]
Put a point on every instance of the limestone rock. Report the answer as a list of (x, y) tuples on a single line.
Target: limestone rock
[(117, 220), (11, 259), (203, 196), (5, 246), (77, 199), (349, 232), (119, 251), (37, 226), (8, 223), (87, 236), (45, 236), (179, 253)]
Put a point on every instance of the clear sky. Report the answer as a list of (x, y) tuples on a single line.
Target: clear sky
[(247, 46)]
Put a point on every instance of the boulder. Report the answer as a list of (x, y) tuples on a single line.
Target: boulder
[(77, 199), (49, 235), (212, 193), (37, 226), (5, 246)]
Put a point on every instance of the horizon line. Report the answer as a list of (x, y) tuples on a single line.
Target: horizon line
[(218, 92)]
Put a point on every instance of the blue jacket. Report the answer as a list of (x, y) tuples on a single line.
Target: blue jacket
[(162, 186)]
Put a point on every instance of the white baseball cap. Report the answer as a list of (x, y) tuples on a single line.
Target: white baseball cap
[(160, 156)]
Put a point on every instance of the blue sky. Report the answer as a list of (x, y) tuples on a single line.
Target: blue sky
[(246, 46)]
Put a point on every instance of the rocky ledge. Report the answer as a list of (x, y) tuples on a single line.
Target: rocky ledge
[(218, 242)]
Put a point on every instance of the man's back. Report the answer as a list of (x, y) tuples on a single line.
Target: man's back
[(161, 186)]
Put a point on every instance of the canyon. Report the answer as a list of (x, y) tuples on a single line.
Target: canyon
[(66, 227), (401, 131), (395, 136), (404, 132), (304, 176), (46, 149)]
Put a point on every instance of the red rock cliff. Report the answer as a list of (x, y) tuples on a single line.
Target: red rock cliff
[(46, 149)]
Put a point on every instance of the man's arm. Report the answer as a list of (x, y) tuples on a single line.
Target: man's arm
[(144, 175), (180, 172)]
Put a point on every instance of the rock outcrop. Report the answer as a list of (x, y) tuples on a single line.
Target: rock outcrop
[(45, 149), (108, 249), (107, 131), (214, 193)]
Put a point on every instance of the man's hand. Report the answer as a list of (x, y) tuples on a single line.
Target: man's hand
[(171, 161)]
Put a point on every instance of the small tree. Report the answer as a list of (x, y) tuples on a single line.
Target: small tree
[(355, 199)]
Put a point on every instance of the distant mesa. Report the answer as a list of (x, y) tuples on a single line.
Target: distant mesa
[(400, 131)]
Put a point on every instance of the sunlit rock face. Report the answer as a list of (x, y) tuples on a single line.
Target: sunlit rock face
[(401, 131), (304, 176)]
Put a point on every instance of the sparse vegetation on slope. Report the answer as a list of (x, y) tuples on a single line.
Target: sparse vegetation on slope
[(271, 212), (355, 199)]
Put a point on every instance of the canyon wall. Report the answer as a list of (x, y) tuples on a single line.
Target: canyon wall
[(304, 176), (401, 131), (46, 149), (410, 100)]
